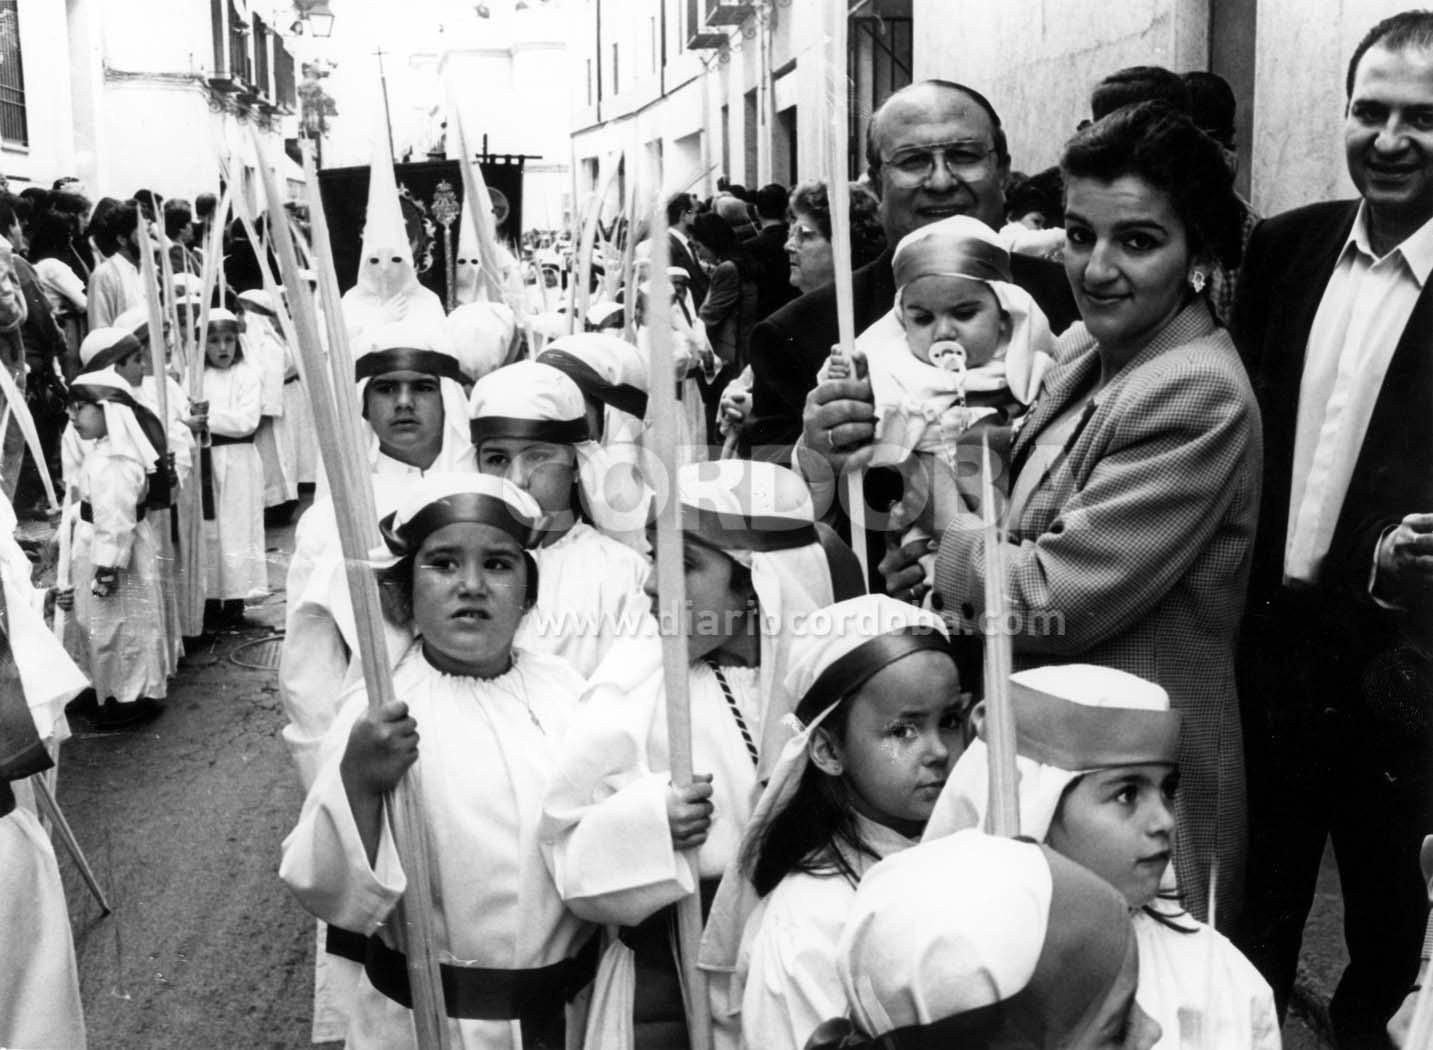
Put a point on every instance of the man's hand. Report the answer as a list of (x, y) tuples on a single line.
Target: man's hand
[(839, 421), (901, 568), (104, 583), (381, 747), (1405, 558), (734, 407), (689, 811), (64, 597)]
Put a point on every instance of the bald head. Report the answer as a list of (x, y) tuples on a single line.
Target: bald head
[(936, 149)]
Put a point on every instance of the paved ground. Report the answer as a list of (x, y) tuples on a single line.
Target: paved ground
[(182, 821)]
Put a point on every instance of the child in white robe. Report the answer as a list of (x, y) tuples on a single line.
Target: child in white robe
[(529, 424), (417, 418), (180, 568), (978, 942), (232, 408), (39, 987), (621, 842), (882, 722), (118, 603), (489, 713), (1096, 752), (275, 438)]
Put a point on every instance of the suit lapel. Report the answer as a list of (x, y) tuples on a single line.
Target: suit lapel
[(1060, 389)]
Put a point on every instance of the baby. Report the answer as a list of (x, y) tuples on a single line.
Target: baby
[(962, 348)]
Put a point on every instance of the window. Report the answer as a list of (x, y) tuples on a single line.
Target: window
[(14, 127), (261, 56), (652, 26), (285, 93), (589, 81), (616, 81)]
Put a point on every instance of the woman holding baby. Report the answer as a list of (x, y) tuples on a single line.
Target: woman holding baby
[(1135, 476)]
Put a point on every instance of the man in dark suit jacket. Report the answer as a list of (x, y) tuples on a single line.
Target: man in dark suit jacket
[(934, 149), (1335, 675), (768, 249), (680, 250)]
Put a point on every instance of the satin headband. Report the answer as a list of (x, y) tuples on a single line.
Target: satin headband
[(621, 396), (407, 359), (555, 431), (120, 349), (472, 507), (97, 395), (729, 530), (1058, 732), (857, 667), (967, 257)]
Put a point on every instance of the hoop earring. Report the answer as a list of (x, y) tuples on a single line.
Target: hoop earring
[(1197, 281)]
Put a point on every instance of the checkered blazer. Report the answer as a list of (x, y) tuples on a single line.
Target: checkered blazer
[(1134, 553)]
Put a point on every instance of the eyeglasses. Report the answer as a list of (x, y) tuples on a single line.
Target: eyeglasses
[(801, 234), (913, 166)]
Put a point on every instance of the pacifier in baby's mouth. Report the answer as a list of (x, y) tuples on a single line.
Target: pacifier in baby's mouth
[(948, 355)]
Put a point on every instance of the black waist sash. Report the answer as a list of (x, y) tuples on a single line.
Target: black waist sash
[(472, 992), (216, 440), (87, 511)]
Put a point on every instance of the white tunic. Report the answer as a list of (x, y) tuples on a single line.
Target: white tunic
[(791, 983), (605, 831), (486, 757), (1200, 979), (265, 348), (176, 573), (589, 594), (125, 648), (237, 568)]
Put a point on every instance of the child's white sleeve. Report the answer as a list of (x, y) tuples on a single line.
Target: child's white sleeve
[(324, 863), (115, 493), (604, 832), (238, 415)]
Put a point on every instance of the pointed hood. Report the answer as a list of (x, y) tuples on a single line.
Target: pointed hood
[(385, 268)]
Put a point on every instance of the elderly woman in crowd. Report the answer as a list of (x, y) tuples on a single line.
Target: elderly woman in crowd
[(1136, 478), (808, 249)]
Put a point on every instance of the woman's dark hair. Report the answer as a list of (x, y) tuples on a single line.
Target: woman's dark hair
[(50, 238), (868, 238), (395, 588), (1162, 146), (177, 217), (805, 835)]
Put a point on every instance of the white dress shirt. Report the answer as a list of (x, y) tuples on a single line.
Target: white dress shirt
[(1360, 320)]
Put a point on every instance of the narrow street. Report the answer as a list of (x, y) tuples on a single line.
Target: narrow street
[(182, 820)]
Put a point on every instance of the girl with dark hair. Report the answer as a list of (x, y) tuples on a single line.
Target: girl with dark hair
[(1098, 774), (882, 721), (489, 713), (621, 841), (1136, 478)]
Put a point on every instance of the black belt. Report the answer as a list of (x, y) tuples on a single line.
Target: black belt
[(217, 440), (291, 379), (651, 938), (471, 992), (87, 512)]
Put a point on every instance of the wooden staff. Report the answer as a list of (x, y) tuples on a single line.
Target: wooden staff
[(46, 800), (167, 296), (1004, 816), (62, 562), (351, 490), (18, 411), (839, 194), (671, 596), (578, 293), (157, 363), (629, 249)]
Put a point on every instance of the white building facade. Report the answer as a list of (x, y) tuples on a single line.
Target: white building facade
[(734, 87), (144, 93)]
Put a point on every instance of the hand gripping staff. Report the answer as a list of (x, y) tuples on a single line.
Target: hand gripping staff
[(352, 493), (1004, 817)]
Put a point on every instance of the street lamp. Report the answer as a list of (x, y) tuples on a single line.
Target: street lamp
[(318, 16)]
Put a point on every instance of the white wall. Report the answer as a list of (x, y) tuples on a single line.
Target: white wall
[(44, 49), (1038, 61), (1297, 152)]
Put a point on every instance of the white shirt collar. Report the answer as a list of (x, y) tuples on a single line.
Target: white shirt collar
[(1416, 250), (679, 235)]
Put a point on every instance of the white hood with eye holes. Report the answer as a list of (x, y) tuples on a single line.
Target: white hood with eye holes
[(387, 290)]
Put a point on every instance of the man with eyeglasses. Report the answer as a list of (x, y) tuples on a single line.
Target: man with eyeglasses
[(933, 150)]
